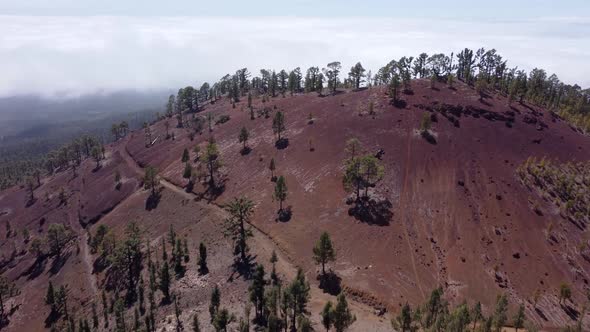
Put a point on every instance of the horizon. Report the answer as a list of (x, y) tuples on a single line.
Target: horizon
[(76, 48)]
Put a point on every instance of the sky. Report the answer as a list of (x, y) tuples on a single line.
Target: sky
[(73, 47)]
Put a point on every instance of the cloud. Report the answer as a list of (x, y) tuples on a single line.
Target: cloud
[(77, 55)]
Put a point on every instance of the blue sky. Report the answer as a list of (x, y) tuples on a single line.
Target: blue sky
[(73, 47)]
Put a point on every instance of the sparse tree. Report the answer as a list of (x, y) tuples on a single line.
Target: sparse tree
[(565, 293), (58, 237), (332, 73), (273, 275), (323, 252), (214, 303), (327, 314), (256, 290), (481, 85), (278, 124), (372, 172), (280, 193), (357, 72), (519, 318), (342, 316), (272, 166), (403, 321), (185, 156), (165, 281), (96, 155), (240, 210), (499, 318), (202, 258), (243, 137), (426, 122), (212, 161), (151, 180)]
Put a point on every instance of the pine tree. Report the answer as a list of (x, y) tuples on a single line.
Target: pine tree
[(476, 314), (243, 137), (278, 124), (214, 303), (280, 193), (327, 316), (273, 275), (257, 291), (188, 171), (185, 251), (202, 259), (212, 161), (519, 318), (50, 296), (240, 210), (185, 155), (342, 316), (141, 293), (94, 316), (272, 168), (165, 282), (403, 321), (324, 252), (500, 313)]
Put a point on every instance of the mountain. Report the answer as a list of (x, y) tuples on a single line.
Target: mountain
[(461, 206)]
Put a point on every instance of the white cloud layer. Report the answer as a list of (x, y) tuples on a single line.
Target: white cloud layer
[(77, 55)]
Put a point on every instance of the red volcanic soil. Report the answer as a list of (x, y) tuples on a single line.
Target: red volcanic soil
[(459, 217)]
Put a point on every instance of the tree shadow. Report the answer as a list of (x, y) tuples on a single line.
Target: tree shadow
[(571, 311), (213, 192), (36, 268), (58, 263), (372, 212), (245, 151), (96, 168), (30, 202), (243, 268), (281, 144), (330, 283), (408, 92), (52, 318), (99, 264), (541, 314), (485, 102), (118, 186), (399, 103), (203, 270), (189, 187), (285, 214), (428, 137), (153, 200)]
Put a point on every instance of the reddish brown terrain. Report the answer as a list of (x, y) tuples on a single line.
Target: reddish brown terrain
[(453, 213)]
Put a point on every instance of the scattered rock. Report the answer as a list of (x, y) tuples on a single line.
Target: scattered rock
[(516, 255)]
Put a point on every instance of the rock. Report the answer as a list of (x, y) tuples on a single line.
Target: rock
[(516, 255), (461, 183)]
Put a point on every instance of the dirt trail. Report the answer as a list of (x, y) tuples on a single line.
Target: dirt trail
[(87, 259), (402, 209), (367, 320)]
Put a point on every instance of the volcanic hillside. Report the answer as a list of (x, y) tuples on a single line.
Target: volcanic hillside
[(451, 210)]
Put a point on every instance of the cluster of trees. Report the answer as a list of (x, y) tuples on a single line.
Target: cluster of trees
[(125, 287), (565, 184), (119, 130), (487, 70), (436, 315), (362, 171)]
